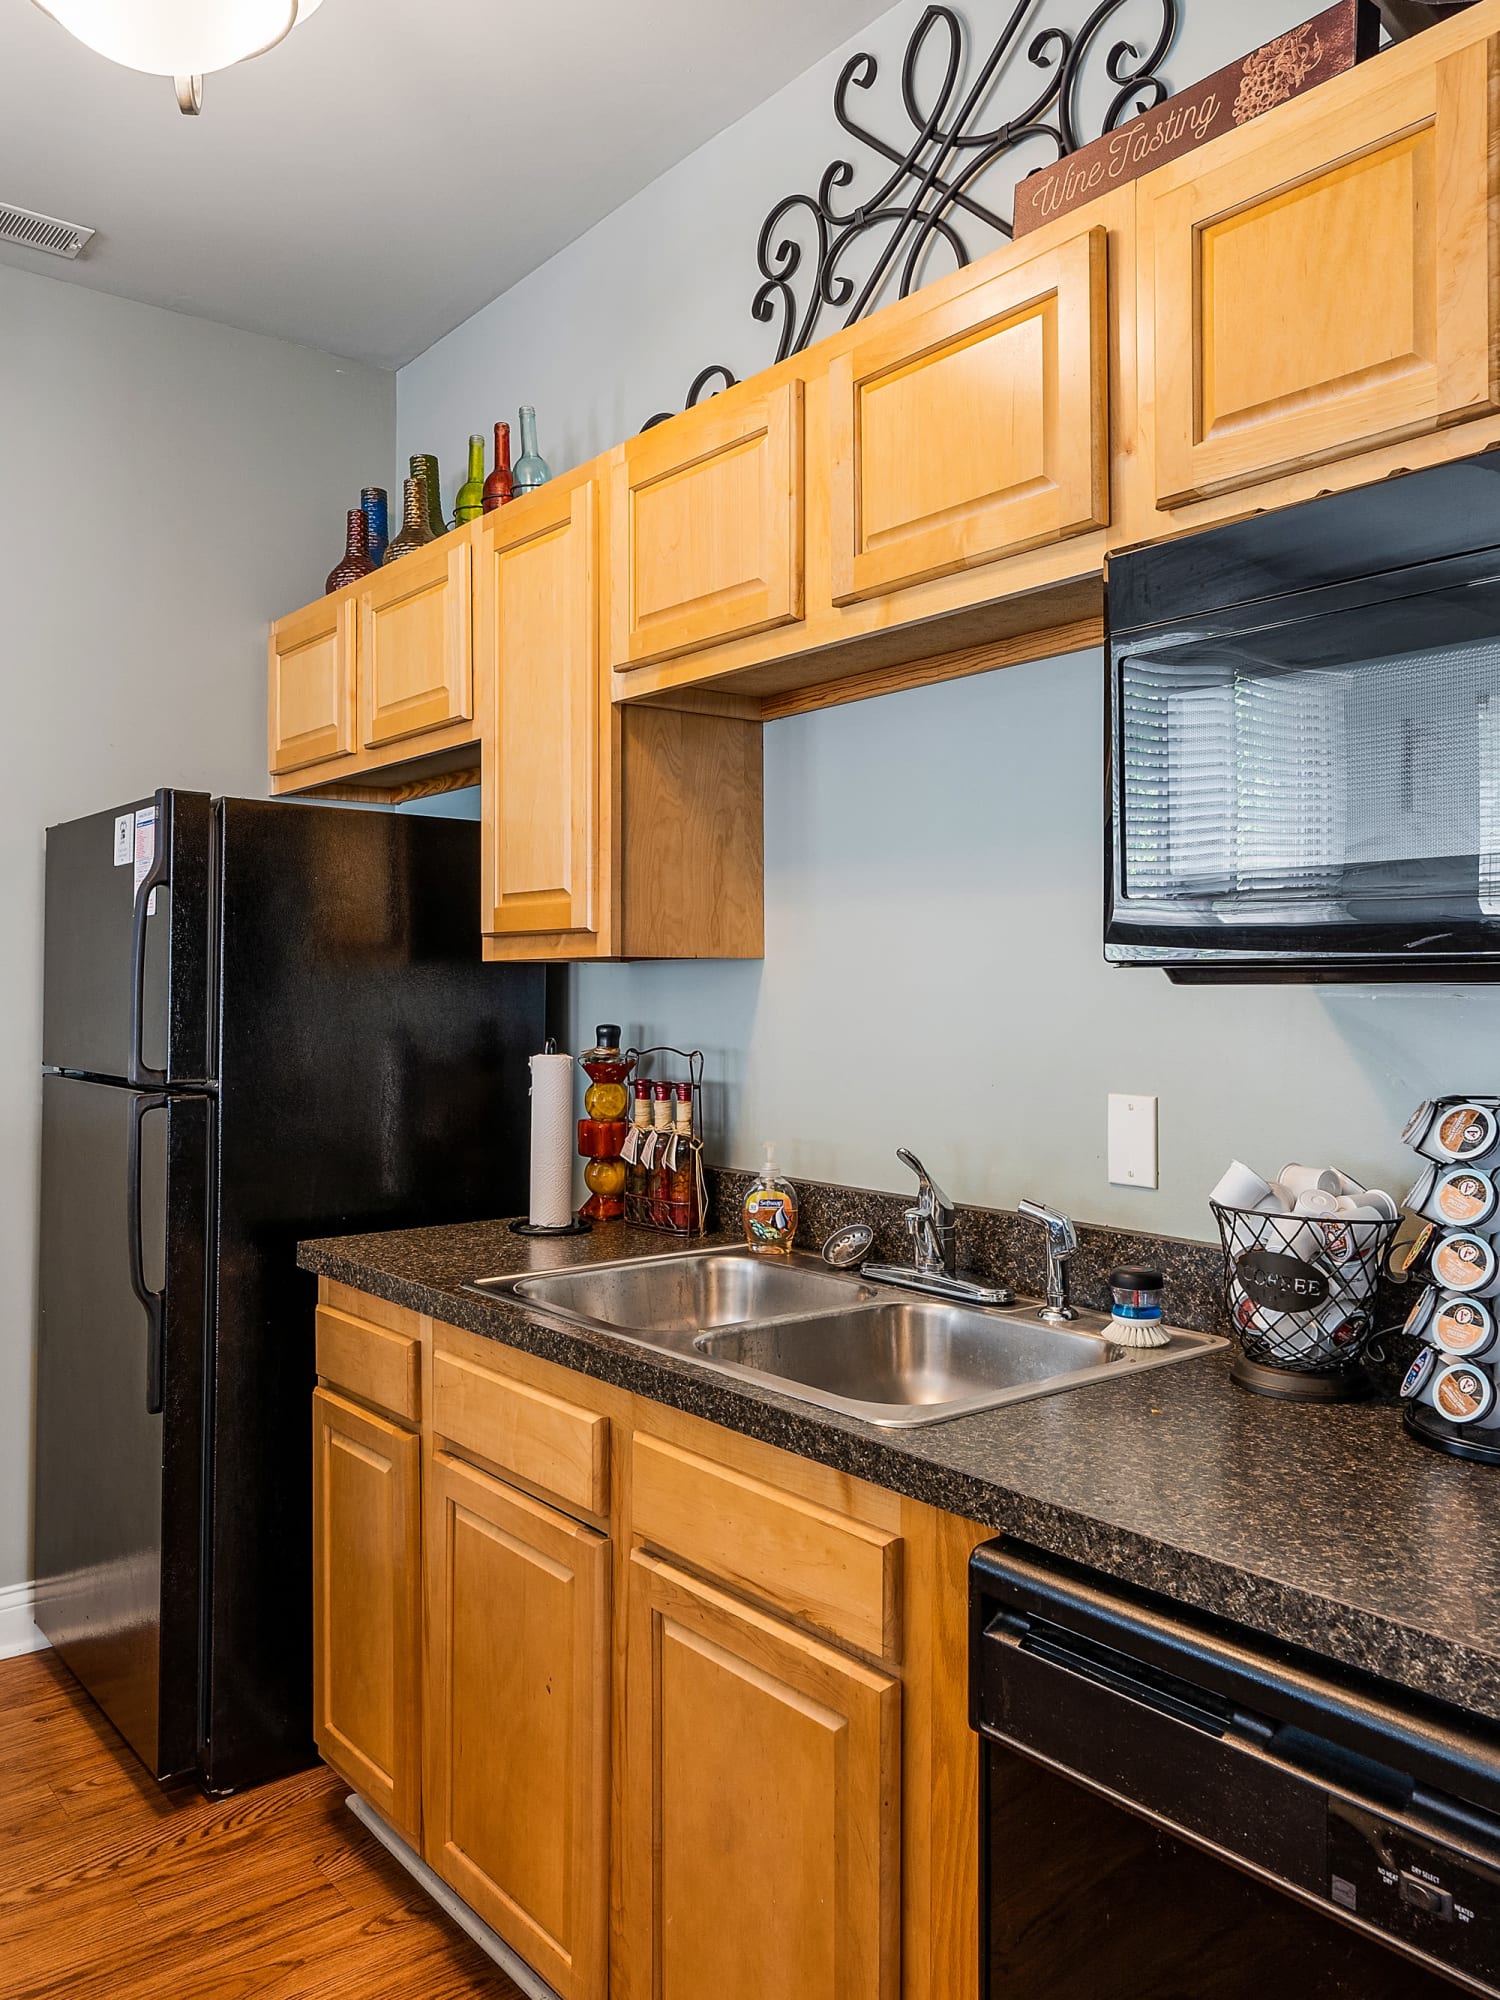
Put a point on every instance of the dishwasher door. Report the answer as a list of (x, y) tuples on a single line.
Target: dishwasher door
[(1175, 1810)]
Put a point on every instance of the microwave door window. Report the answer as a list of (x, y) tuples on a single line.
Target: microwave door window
[(1324, 772), (1236, 794)]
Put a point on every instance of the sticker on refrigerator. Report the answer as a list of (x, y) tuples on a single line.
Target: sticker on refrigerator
[(145, 851), (124, 839)]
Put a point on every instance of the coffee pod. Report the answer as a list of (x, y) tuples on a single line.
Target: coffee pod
[(1315, 1201), (1381, 1202), (1465, 1132), (1291, 1236), (1464, 1198), (1465, 1262), (1251, 1318), (1463, 1393), (1242, 1187), (1418, 1197), (1418, 1318), (1411, 1249), (1463, 1328), (1295, 1180), (1418, 1374), (1419, 1124)]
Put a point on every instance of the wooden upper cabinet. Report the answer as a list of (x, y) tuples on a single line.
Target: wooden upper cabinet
[(517, 1790), (312, 655), (974, 430), (762, 1837), (706, 526), (367, 1606), (536, 614), (416, 669), (1328, 285)]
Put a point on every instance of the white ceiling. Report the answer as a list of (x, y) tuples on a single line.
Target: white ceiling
[(391, 167)]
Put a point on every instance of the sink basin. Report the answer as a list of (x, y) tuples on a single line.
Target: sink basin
[(831, 1338), (904, 1355), (686, 1292)]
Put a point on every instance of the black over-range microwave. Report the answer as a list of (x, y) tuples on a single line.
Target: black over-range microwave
[(1304, 740)]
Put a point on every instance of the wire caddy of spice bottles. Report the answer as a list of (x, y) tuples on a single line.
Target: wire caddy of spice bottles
[(1452, 1389), (665, 1187)]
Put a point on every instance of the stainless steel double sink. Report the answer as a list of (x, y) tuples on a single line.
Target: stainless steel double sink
[(831, 1337)]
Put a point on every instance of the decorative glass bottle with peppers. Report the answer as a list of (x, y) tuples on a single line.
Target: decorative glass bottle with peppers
[(601, 1132), (664, 1178)]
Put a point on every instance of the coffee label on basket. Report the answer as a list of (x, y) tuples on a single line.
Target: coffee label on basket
[(1279, 1282)]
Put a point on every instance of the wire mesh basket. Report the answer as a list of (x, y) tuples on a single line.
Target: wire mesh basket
[(1300, 1292)]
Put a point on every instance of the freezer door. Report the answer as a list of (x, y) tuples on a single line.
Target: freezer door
[(125, 1195), (128, 961)]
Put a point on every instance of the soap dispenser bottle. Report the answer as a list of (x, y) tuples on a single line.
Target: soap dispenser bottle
[(770, 1212)]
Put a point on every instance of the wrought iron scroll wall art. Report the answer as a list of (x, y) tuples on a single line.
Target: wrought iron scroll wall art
[(931, 187)]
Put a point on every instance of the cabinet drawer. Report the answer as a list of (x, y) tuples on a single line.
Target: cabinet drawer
[(840, 1575), (547, 1443), (371, 1362)]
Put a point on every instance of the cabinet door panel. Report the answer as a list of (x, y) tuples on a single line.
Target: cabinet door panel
[(707, 527), (415, 643), (367, 1622), (762, 1804), (1329, 289), (537, 619), (975, 430), (312, 685), (517, 1767)]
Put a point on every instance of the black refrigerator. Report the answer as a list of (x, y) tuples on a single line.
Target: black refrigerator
[(261, 1021)]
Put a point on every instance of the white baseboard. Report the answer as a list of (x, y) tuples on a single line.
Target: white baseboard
[(19, 1632)]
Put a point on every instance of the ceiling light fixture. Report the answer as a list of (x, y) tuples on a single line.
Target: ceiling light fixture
[(182, 39)]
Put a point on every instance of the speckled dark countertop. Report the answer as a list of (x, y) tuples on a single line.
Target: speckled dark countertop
[(1322, 1526)]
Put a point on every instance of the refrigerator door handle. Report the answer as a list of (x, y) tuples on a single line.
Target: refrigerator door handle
[(155, 1303), (140, 1075)]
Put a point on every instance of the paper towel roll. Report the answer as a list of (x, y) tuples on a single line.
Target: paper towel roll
[(551, 1142)]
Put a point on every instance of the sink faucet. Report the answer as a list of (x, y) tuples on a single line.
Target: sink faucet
[(1062, 1241), (933, 1223)]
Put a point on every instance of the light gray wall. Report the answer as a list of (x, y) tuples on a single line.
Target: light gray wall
[(933, 971), (170, 485)]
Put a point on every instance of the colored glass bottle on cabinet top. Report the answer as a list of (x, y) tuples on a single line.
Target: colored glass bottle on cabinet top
[(470, 502), (531, 469), (373, 501), (499, 488), (414, 529), (356, 562), (426, 465)]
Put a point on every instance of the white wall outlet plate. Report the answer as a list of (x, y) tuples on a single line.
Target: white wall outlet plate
[(1132, 1141)]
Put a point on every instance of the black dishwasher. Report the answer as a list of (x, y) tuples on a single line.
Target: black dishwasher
[(1177, 1809)]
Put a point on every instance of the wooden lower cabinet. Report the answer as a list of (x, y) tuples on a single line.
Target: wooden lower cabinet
[(708, 1740), (762, 1804), (367, 1577), (517, 1768)]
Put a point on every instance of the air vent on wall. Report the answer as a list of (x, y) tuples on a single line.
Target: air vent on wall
[(41, 232)]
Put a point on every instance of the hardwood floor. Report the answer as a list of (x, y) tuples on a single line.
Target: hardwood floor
[(112, 1888)]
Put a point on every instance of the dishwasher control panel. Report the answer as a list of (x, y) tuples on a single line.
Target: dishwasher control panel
[(1435, 1898)]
